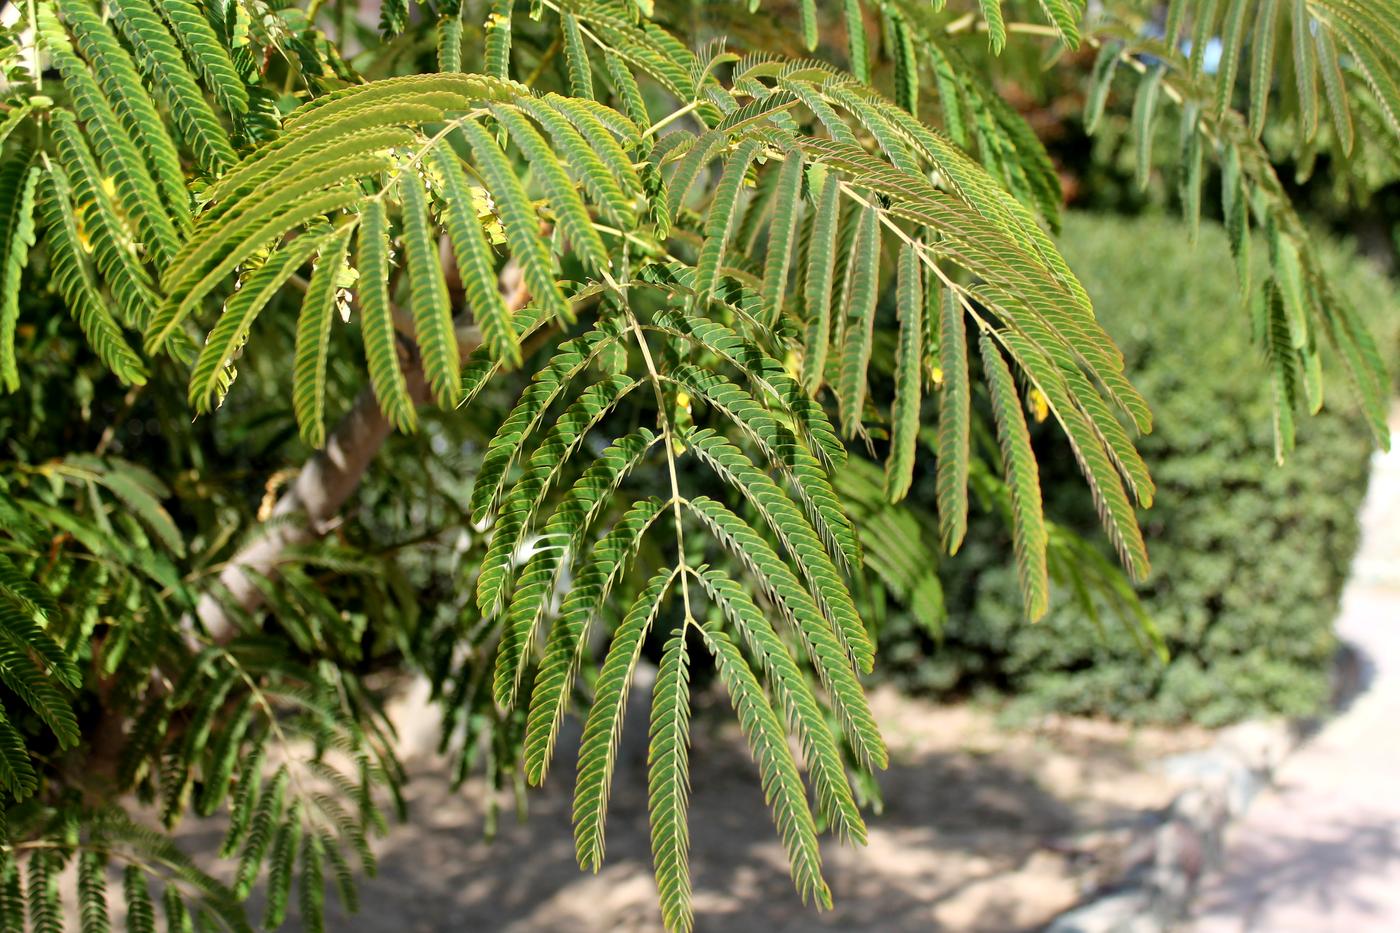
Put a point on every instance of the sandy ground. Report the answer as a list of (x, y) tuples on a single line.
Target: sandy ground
[(982, 829)]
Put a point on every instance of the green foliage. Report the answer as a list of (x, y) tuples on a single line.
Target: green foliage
[(1251, 191), (569, 192), (1249, 558)]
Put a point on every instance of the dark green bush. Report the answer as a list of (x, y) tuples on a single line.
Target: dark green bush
[(1248, 558)]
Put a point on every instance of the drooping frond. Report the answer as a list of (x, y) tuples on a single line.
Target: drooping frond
[(75, 280), (669, 783), (159, 55), (377, 318), (313, 338), (601, 732), (1018, 460), (782, 784), (612, 558), (105, 230), (953, 420), (433, 328), (821, 265), (861, 294), (909, 361), (798, 702), (18, 183), (241, 310), (117, 76), (207, 53)]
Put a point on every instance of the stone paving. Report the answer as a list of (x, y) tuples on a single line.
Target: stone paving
[(1320, 851)]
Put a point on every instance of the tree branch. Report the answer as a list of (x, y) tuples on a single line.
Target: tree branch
[(323, 485)]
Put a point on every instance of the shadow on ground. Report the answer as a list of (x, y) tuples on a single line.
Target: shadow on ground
[(963, 843), (978, 819), (1315, 866), (981, 829)]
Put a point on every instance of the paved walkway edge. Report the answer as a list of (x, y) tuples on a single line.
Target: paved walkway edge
[(1164, 865)]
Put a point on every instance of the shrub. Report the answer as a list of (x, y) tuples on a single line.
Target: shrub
[(1248, 557)]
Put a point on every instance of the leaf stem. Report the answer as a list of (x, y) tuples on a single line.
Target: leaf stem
[(668, 437), (670, 118)]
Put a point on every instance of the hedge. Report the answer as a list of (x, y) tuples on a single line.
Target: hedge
[(1248, 558)]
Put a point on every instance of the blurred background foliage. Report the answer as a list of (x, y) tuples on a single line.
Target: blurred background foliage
[(1248, 557)]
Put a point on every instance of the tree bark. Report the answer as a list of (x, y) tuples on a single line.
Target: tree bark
[(317, 494), (323, 485)]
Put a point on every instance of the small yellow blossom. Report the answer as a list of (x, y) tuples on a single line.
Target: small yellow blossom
[(1040, 405)]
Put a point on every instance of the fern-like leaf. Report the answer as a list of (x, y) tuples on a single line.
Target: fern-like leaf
[(1335, 86), (11, 895), (281, 862), (611, 557), (92, 893), (599, 179), (122, 86), (782, 784), (140, 909), (18, 182), (560, 191), (521, 224), (241, 310), (548, 384), (904, 418), (1018, 461), (787, 205), (45, 911), (669, 782), (475, 261), (1231, 43), (576, 58), (118, 152), (262, 830), (177, 915), (106, 232), (240, 239), (789, 686), (996, 24), (822, 646), (807, 18), (377, 320), (1305, 70), (434, 330), (856, 44), (798, 538), (1265, 37), (861, 294), (601, 732), (17, 774), (1144, 117), (208, 54), (158, 54), (821, 266), (517, 512), (720, 219), (498, 38), (313, 340), (76, 282), (954, 422)]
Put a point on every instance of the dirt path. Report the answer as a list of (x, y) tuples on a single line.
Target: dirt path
[(1321, 852), (978, 833)]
